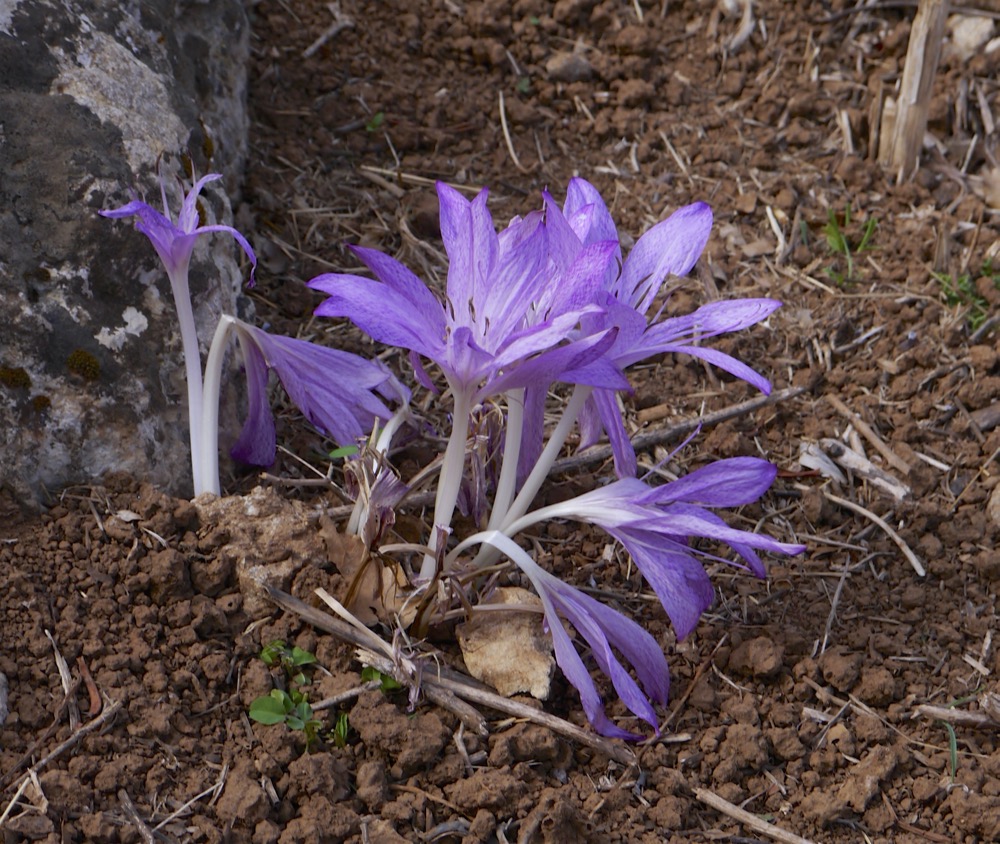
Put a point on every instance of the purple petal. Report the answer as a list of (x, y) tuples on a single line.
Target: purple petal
[(725, 483), (472, 246), (399, 278), (677, 578), (256, 444), (587, 213), (241, 240), (670, 247), (381, 313), (187, 220)]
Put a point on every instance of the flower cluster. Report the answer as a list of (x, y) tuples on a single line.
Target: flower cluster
[(548, 300)]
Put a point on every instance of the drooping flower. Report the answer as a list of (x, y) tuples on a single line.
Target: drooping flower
[(174, 242), (605, 631), (338, 392), (656, 526)]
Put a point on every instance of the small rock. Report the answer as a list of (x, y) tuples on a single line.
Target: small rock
[(569, 67), (760, 657)]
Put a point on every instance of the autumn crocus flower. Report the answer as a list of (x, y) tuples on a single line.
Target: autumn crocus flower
[(657, 524), (337, 392), (174, 243), (495, 332)]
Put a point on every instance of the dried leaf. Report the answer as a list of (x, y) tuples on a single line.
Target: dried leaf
[(509, 650)]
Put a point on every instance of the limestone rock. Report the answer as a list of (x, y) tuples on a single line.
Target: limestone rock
[(92, 94)]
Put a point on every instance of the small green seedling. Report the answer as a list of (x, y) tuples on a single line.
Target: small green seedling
[(376, 121), (338, 735), (343, 451), (961, 292), (290, 660), (844, 241), (290, 707), (388, 683)]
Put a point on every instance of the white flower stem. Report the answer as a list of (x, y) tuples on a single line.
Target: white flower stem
[(206, 469), (539, 472), (507, 483), (450, 481), (192, 362)]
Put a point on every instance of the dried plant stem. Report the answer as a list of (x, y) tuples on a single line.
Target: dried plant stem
[(958, 717), (447, 681), (133, 815), (507, 138), (895, 537), (712, 799), (866, 431)]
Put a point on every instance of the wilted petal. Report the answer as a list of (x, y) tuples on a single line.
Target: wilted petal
[(602, 628), (332, 389)]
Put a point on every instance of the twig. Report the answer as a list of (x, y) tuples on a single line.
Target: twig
[(133, 815), (95, 724), (217, 788), (662, 436), (8, 778), (507, 138), (446, 680), (895, 537), (866, 431), (863, 467), (67, 683), (712, 799), (959, 717), (340, 22)]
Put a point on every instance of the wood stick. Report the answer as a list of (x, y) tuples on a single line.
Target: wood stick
[(913, 559), (910, 119), (958, 717), (447, 680), (866, 431), (710, 798), (133, 815)]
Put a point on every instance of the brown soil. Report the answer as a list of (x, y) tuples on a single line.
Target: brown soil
[(796, 698)]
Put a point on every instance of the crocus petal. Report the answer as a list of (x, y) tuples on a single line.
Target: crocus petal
[(187, 219), (381, 314), (332, 389), (732, 482), (256, 445), (678, 579), (472, 246), (672, 246), (400, 280), (241, 240), (587, 213), (601, 627)]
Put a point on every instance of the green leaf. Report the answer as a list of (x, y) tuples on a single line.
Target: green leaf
[(268, 710), (302, 657), (343, 451)]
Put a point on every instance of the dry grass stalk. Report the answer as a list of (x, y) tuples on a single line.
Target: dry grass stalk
[(710, 798), (908, 116)]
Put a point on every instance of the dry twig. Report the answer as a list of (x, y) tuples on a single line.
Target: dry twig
[(710, 798), (913, 559)]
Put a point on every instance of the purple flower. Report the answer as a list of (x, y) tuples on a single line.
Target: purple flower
[(605, 631), (336, 391), (671, 247), (174, 242), (496, 331), (656, 525)]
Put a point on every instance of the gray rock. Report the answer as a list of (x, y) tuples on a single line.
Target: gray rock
[(92, 94)]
